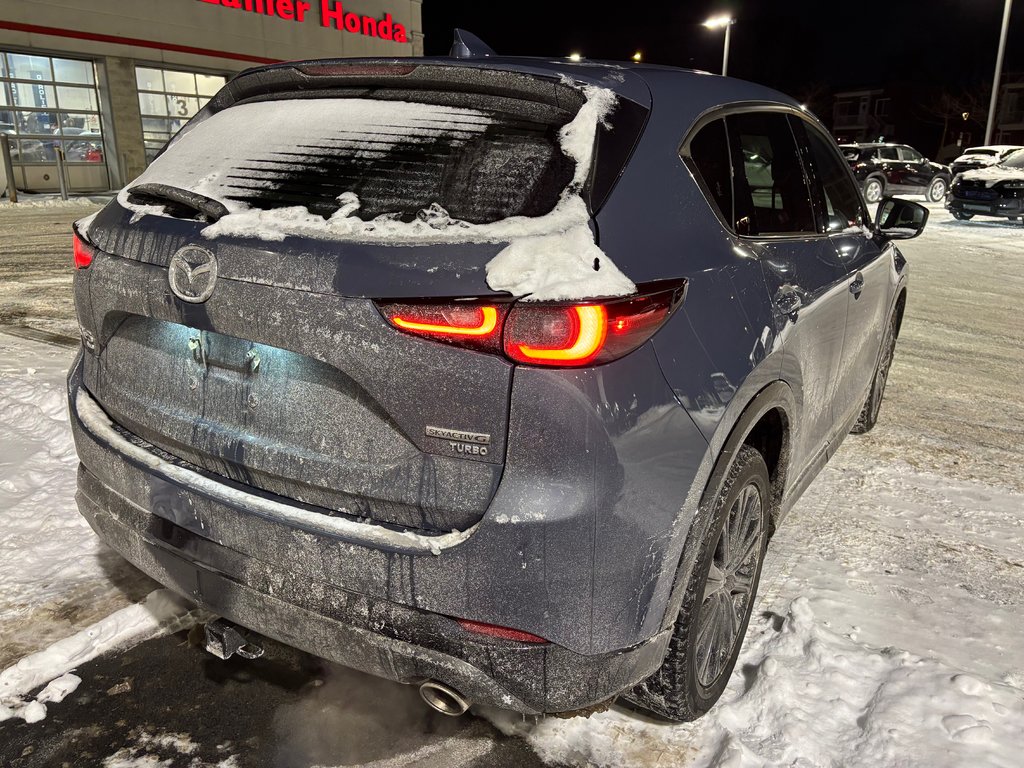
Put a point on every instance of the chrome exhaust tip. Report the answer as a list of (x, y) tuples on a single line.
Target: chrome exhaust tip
[(445, 700)]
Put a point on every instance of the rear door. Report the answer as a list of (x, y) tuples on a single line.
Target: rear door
[(805, 280), (865, 267)]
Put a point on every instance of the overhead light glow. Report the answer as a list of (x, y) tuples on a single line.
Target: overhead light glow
[(637, 56), (717, 22), (575, 56)]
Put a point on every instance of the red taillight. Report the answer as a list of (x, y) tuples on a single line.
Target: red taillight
[(451, 321), (586, 334), (504, 633), (556, 335), (468, 324), (567, 335), (83, 252)]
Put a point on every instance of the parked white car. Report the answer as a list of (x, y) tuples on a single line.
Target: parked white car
[(982, 157)]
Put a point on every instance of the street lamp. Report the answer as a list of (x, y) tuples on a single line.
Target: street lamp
[(575, 56), (991, 124), (717, 22), (637, 57)]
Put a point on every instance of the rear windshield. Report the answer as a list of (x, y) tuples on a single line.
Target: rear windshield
[(975, 151), (400, 159)]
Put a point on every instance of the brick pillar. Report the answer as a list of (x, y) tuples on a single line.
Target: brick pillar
[(125, 116)]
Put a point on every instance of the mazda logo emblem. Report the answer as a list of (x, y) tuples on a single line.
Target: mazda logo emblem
[(192, 274)]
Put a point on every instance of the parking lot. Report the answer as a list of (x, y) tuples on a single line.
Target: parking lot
[(888, 622)]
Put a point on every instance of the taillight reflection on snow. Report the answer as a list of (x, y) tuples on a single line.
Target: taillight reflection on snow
[(553, 334)]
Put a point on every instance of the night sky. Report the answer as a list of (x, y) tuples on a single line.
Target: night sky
[(797, 46)]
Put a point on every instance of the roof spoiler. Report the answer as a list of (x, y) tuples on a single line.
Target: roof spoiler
[(468, 46)]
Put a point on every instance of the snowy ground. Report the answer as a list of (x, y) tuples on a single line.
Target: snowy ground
[(888, 630)]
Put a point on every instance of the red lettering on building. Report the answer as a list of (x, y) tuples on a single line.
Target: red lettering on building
[(332, 14)]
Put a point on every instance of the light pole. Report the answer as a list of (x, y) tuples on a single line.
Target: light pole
[(991, 124), (717, 22)]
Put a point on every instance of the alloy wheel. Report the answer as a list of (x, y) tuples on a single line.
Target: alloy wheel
[(873, 191), (728, 590)]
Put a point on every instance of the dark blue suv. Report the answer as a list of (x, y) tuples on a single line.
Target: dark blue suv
[(489, 375)]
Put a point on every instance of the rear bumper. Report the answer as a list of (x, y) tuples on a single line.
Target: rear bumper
[(379, 637), (374, 606)]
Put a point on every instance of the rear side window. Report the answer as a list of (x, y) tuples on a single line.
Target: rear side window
[(910, 155), (401, 159), (770, 180), (709, 151), (841, 196)]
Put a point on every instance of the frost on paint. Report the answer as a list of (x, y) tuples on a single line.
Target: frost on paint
[(549, 256), (97, 422)]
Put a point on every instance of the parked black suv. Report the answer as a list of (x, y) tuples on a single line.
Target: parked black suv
[(889, 169)]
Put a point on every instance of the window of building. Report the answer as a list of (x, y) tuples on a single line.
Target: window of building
[(48, 104), (168, 99)]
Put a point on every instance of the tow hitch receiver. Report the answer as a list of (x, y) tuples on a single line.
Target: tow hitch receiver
[(224, 640)]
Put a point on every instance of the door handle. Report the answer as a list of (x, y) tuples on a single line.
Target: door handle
[(788, 301), (857, 285)]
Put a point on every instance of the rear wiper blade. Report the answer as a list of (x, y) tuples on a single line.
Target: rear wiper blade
[(210, 208)]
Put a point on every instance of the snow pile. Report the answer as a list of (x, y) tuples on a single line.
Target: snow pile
[(803, 694), (564, 265), (163, 750), (46, 549), (46, 201), (567, 263), (163, 612)]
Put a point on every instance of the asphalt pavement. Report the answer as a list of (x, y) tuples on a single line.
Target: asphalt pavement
[(168, 703)]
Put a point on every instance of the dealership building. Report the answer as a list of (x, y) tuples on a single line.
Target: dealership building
[(109, 82)]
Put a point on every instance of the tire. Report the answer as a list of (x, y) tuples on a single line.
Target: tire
[(694, 674), (874, 188), (869, 413), (962, 216), (936, 190)]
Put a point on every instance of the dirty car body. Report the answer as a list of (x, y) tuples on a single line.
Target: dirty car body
[(258, 432)]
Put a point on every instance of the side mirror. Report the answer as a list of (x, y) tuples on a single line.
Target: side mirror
[(900, 219)]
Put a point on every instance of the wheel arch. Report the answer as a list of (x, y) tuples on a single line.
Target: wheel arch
[(766, 424), (901, 305)]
